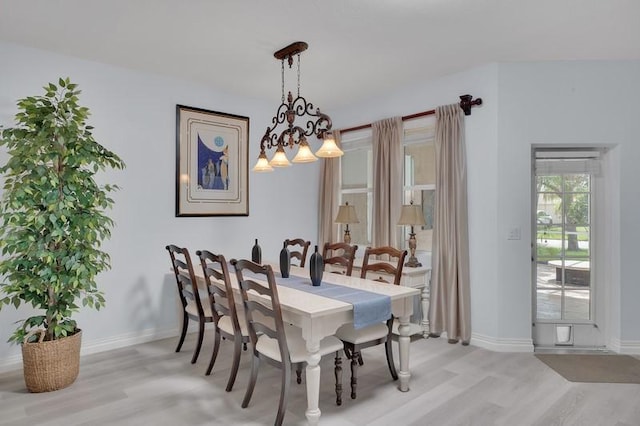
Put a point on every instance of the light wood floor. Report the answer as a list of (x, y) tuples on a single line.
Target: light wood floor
[(150, 384)]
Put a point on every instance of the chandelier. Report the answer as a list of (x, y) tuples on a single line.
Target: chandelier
[(312, 122)]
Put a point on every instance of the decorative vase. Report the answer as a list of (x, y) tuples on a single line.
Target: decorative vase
[(51, 365), (316, 267), (285, 261), (256, 253)]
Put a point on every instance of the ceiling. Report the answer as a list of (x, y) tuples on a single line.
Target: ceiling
[(356, 47)]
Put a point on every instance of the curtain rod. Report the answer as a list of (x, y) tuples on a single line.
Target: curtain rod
[(466, 102)]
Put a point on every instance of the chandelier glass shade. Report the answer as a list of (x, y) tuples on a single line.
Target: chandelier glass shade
[(311, 122)]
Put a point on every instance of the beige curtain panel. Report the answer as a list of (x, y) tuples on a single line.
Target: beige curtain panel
[(387, 178), (329, 194), (450, 294)]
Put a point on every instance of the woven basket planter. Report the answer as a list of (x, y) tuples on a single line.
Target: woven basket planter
[(51, 365)]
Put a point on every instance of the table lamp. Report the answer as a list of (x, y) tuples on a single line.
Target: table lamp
[(347, 215), (412, 215)]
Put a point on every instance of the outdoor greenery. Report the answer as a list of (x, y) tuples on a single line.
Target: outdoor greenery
[(53, 211), (551, 253), (575, 205), (554, 232)]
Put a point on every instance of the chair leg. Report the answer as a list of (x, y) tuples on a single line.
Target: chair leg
[(185, 325), (284, 393), (199, 345), (237, 345), (255, 363), (354, 373), (338, 373), (360, 360), (214, 354), (299, 373), (390, 363)]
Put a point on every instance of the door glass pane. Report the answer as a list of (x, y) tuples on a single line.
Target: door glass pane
[(563, 272), (577, 304)]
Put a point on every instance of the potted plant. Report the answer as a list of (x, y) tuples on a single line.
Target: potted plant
[(53, 223)]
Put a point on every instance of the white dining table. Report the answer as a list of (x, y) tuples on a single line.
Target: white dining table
[(320, 316)]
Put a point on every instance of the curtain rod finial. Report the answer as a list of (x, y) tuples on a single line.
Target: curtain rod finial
[(467, 101)]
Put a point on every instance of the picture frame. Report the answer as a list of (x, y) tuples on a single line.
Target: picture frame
[(212, 162)]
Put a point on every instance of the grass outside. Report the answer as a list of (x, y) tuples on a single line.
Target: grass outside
[(552, 253), (554, 232)]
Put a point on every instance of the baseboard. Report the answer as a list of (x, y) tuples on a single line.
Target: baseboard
[(501, 345), (627, 347), (14, 362)]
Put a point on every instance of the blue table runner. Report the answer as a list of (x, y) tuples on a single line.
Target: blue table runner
[(368, 308)]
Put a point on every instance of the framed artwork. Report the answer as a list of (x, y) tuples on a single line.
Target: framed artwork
[(212, 158)]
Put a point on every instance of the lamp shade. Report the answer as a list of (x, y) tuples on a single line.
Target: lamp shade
[(304, 154), (262, 165), (346, 214), (329, 148), (411, 215), (279, 158)]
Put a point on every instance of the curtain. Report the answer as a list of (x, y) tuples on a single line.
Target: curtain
[(329, 194), (387, 180), (450, 288)]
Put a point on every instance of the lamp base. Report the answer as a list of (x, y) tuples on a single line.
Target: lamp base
[(413, 262)]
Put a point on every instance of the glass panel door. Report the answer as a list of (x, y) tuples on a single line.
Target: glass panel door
[(563, 253)]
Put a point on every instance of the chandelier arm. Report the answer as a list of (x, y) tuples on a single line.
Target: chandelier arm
[(302, 108), (279, 118), (323, 118), (269, 140)]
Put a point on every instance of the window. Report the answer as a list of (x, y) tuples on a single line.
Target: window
[(356, 180), (356, 184), (419, 177)]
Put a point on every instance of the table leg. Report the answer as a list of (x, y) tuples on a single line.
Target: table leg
[(424, 300), (313, 383), (404, 343)]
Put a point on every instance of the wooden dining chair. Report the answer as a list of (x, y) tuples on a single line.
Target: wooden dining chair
[(355, 340), (230, 322), (273, 341), (341, 254), (299, 249), (193, 306)]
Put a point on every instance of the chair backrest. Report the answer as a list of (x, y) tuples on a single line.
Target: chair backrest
[(340, 254), (300, 248), (392, 268), (260, 279), (216, 277), (185, 277)]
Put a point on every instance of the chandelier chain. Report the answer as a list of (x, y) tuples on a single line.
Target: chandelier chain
[(282, 61), (298, 75)]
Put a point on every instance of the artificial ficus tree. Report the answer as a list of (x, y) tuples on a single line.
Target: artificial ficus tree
[(53, 211)]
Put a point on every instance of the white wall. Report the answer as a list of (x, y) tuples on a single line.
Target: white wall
[(134, 115), (565, 103)]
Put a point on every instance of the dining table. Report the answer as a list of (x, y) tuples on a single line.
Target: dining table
[(320, 316)]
